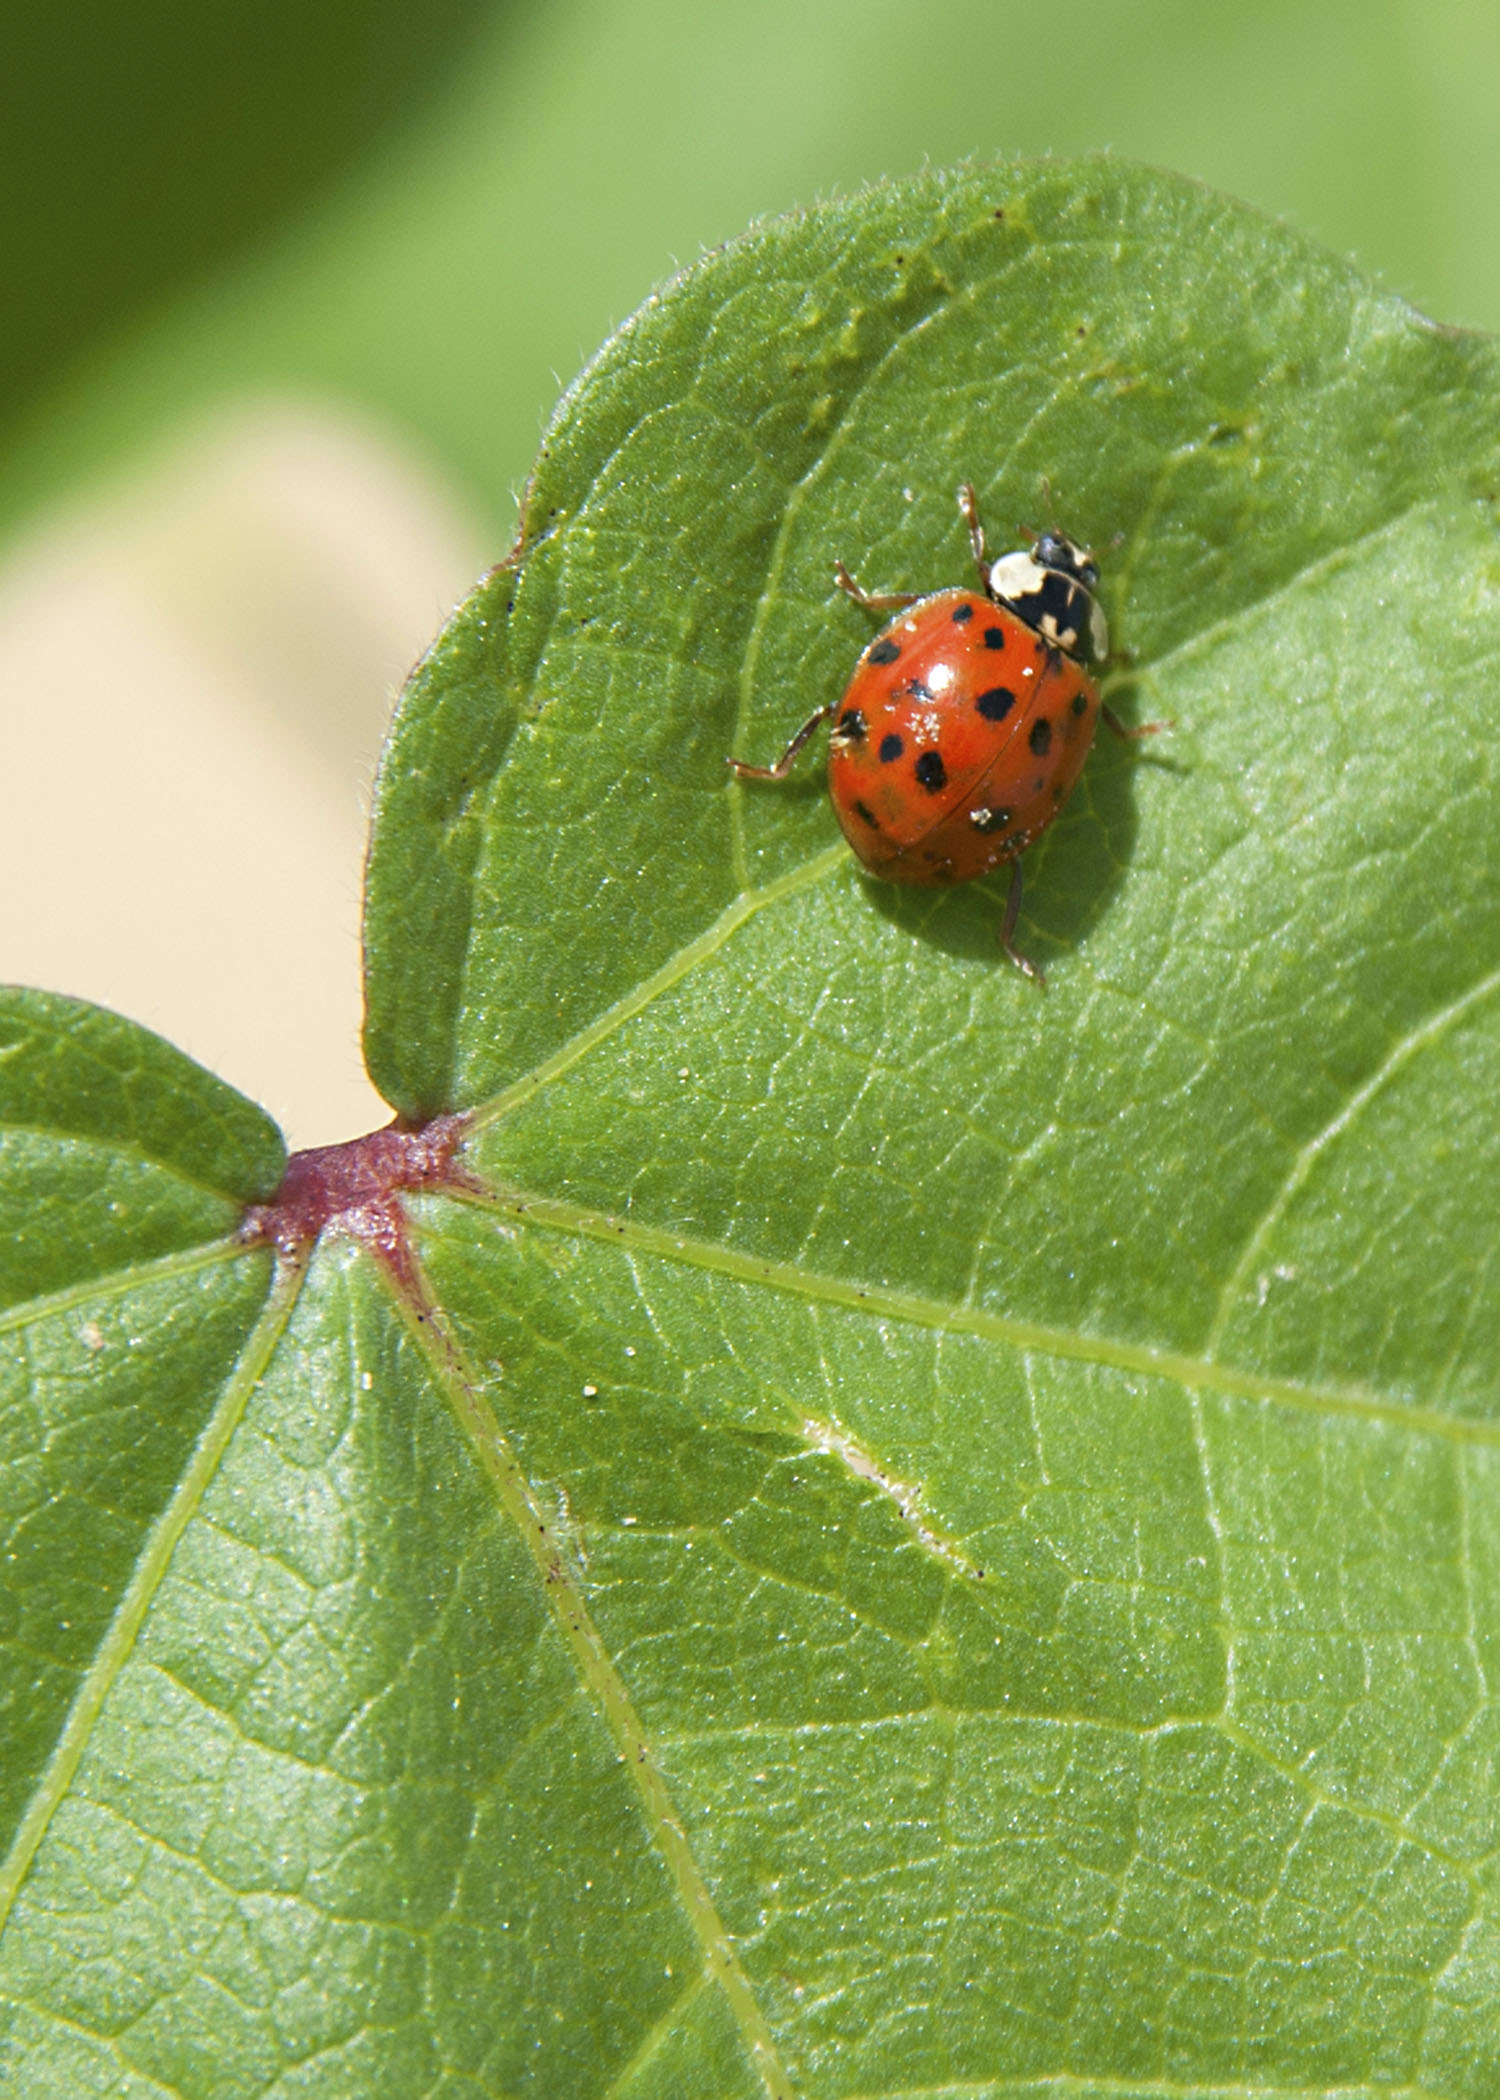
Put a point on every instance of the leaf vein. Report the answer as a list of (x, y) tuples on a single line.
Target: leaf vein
[(1406, 1047), (599, 1674), (119, 1641), (1142, 1359), (671, 973)]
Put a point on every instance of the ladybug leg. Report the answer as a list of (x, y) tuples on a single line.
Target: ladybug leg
[(872, 601), (1022, 962), (1112, 721), (968, 504), (744, 771)]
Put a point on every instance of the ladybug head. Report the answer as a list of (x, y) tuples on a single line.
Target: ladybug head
[(1050, 585), (1054, 550)]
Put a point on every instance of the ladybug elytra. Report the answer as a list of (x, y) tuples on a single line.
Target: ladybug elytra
[(968, 718)]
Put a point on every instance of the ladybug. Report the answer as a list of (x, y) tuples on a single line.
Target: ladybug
[(968, 717)]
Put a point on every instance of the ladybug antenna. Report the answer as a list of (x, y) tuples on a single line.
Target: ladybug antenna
[(1030, 532)]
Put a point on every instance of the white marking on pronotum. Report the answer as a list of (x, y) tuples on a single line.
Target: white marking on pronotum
[(904, 1493), (1016, 575)]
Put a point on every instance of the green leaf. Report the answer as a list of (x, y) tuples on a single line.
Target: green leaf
[(124, 1168), (114, 1147), (917, 1536)]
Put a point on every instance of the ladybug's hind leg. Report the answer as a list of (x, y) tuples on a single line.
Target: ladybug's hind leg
[(743, 770), (1125, 732), (1022, 962), (872, 601)]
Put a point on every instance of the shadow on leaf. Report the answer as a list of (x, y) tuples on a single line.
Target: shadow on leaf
[(1071, 875)]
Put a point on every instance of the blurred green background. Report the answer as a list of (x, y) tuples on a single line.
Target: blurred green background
[(291, 290)]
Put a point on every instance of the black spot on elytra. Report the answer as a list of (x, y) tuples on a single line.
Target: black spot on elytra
[(988, 820), (996, 704), (884, 652), (994, 638), (891, 748), (931, 771), (962, 614), (1080, 703), (918, 690), (1040, 738), (851, 726), (867, 815)]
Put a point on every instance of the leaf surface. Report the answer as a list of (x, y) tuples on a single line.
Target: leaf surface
[(940, 1538)]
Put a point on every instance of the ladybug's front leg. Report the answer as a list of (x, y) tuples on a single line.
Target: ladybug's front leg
[(872, 601), (968, 506), (1022, 962), (743, 770)]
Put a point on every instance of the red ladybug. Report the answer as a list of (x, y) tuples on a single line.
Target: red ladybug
[(968, 718)]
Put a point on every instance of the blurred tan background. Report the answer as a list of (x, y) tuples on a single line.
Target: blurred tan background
[(290, 296)]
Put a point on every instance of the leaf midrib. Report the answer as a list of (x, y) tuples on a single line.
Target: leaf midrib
[(464, 1388), (882, 1301)]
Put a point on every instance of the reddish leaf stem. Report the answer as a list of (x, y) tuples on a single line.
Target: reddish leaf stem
[(355, 1190)]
